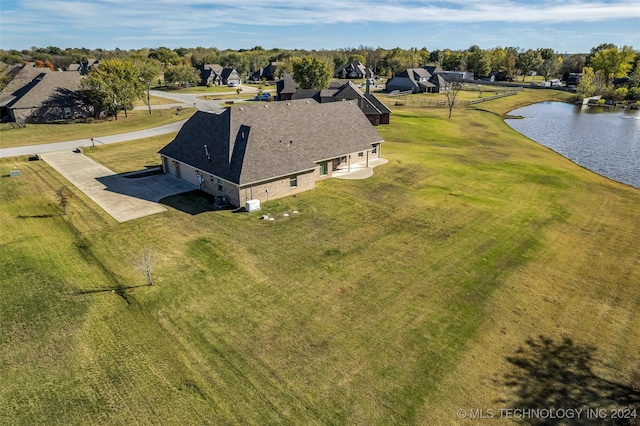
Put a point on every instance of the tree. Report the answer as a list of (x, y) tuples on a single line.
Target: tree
[(550, 62), (511, 62), (114, 85), (478, 62), (181, 74), (311, 72), (356, 57), (149, 70), (572, 64), (144, 263), (586, 87), (424, 56), (165, 55), (613, 62), (436, 56), (64, 198), (498, 59), (451, 93), (528, 61), (453, 61)]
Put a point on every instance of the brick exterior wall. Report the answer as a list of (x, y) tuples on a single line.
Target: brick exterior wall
[(277, 188)]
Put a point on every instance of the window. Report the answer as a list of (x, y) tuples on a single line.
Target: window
[(293, 181), (361, 154), (220, 188), (323, 168), (343, 160), (375, 149)]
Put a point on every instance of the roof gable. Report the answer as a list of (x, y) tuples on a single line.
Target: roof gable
[(260, 142)]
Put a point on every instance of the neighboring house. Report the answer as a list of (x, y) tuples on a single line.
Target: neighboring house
[(573, 80), (40, 95), (270, 151), (354, 69), (216, 75), (429, 79), (497, 76), (376, 111), (286, 87), (84, 67), (267, 73)]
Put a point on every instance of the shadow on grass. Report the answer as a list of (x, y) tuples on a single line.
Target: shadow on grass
[(559, 375), (120, 291), (192, 202)]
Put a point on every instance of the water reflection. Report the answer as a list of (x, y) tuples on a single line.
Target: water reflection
[(604, 140)]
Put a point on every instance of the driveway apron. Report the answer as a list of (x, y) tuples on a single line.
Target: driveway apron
[(123, 198)]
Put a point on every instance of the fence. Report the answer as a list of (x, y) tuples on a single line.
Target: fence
[(489, 98), (407, 98)]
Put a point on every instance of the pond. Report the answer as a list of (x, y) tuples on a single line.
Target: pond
[(603, 140)]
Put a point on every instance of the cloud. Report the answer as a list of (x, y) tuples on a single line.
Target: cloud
[(211, 13), (216, 22)]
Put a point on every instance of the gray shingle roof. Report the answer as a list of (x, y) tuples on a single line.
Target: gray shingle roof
[(34, 87), (260, 142)]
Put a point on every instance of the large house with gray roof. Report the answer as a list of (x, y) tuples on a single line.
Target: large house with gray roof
[(217, 75), (271, 150), (372, 108), (419, 80), (40, 95), (355, 69)]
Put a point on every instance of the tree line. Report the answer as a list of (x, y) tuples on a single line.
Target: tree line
[(513, 61), (125, 76)]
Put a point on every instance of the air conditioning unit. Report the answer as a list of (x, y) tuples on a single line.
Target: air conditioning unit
[(252, 205)]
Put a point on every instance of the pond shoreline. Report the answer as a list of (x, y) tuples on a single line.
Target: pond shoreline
[(598, 141)]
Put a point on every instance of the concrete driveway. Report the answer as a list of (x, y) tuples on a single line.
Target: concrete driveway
[(123, 198)]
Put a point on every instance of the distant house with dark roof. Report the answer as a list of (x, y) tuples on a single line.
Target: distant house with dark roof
[(573, 80), (40, 95), (429, 79), (217, 75), (268, 72), (84, 67), (355, 69), (286, 87), (270, 151), (373, 109)]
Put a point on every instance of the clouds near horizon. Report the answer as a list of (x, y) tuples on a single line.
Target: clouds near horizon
[(132, 24)]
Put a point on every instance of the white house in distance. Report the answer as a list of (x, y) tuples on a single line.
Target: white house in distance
[(270, 150)]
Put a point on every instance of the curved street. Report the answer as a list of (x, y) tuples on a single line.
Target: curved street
[(186, 99)]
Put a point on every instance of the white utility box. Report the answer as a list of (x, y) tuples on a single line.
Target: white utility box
[(252, 205)]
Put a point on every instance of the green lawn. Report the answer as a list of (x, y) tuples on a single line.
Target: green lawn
[(399, 299), (34, 134)]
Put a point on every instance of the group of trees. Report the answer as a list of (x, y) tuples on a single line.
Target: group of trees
[(117, 83), (513, 61), (124, 76), (604, 64)]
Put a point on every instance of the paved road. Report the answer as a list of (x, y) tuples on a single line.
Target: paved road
[(192, 99), (59, 146), (186, 99)]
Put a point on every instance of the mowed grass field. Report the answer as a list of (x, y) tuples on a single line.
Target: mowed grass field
[(475, 270), (35, 134)]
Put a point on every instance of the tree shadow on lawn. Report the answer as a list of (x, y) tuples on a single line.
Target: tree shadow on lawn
[(192, 202), (552, 375)]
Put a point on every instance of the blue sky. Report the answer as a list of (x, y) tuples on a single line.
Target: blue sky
[(567, 25)]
